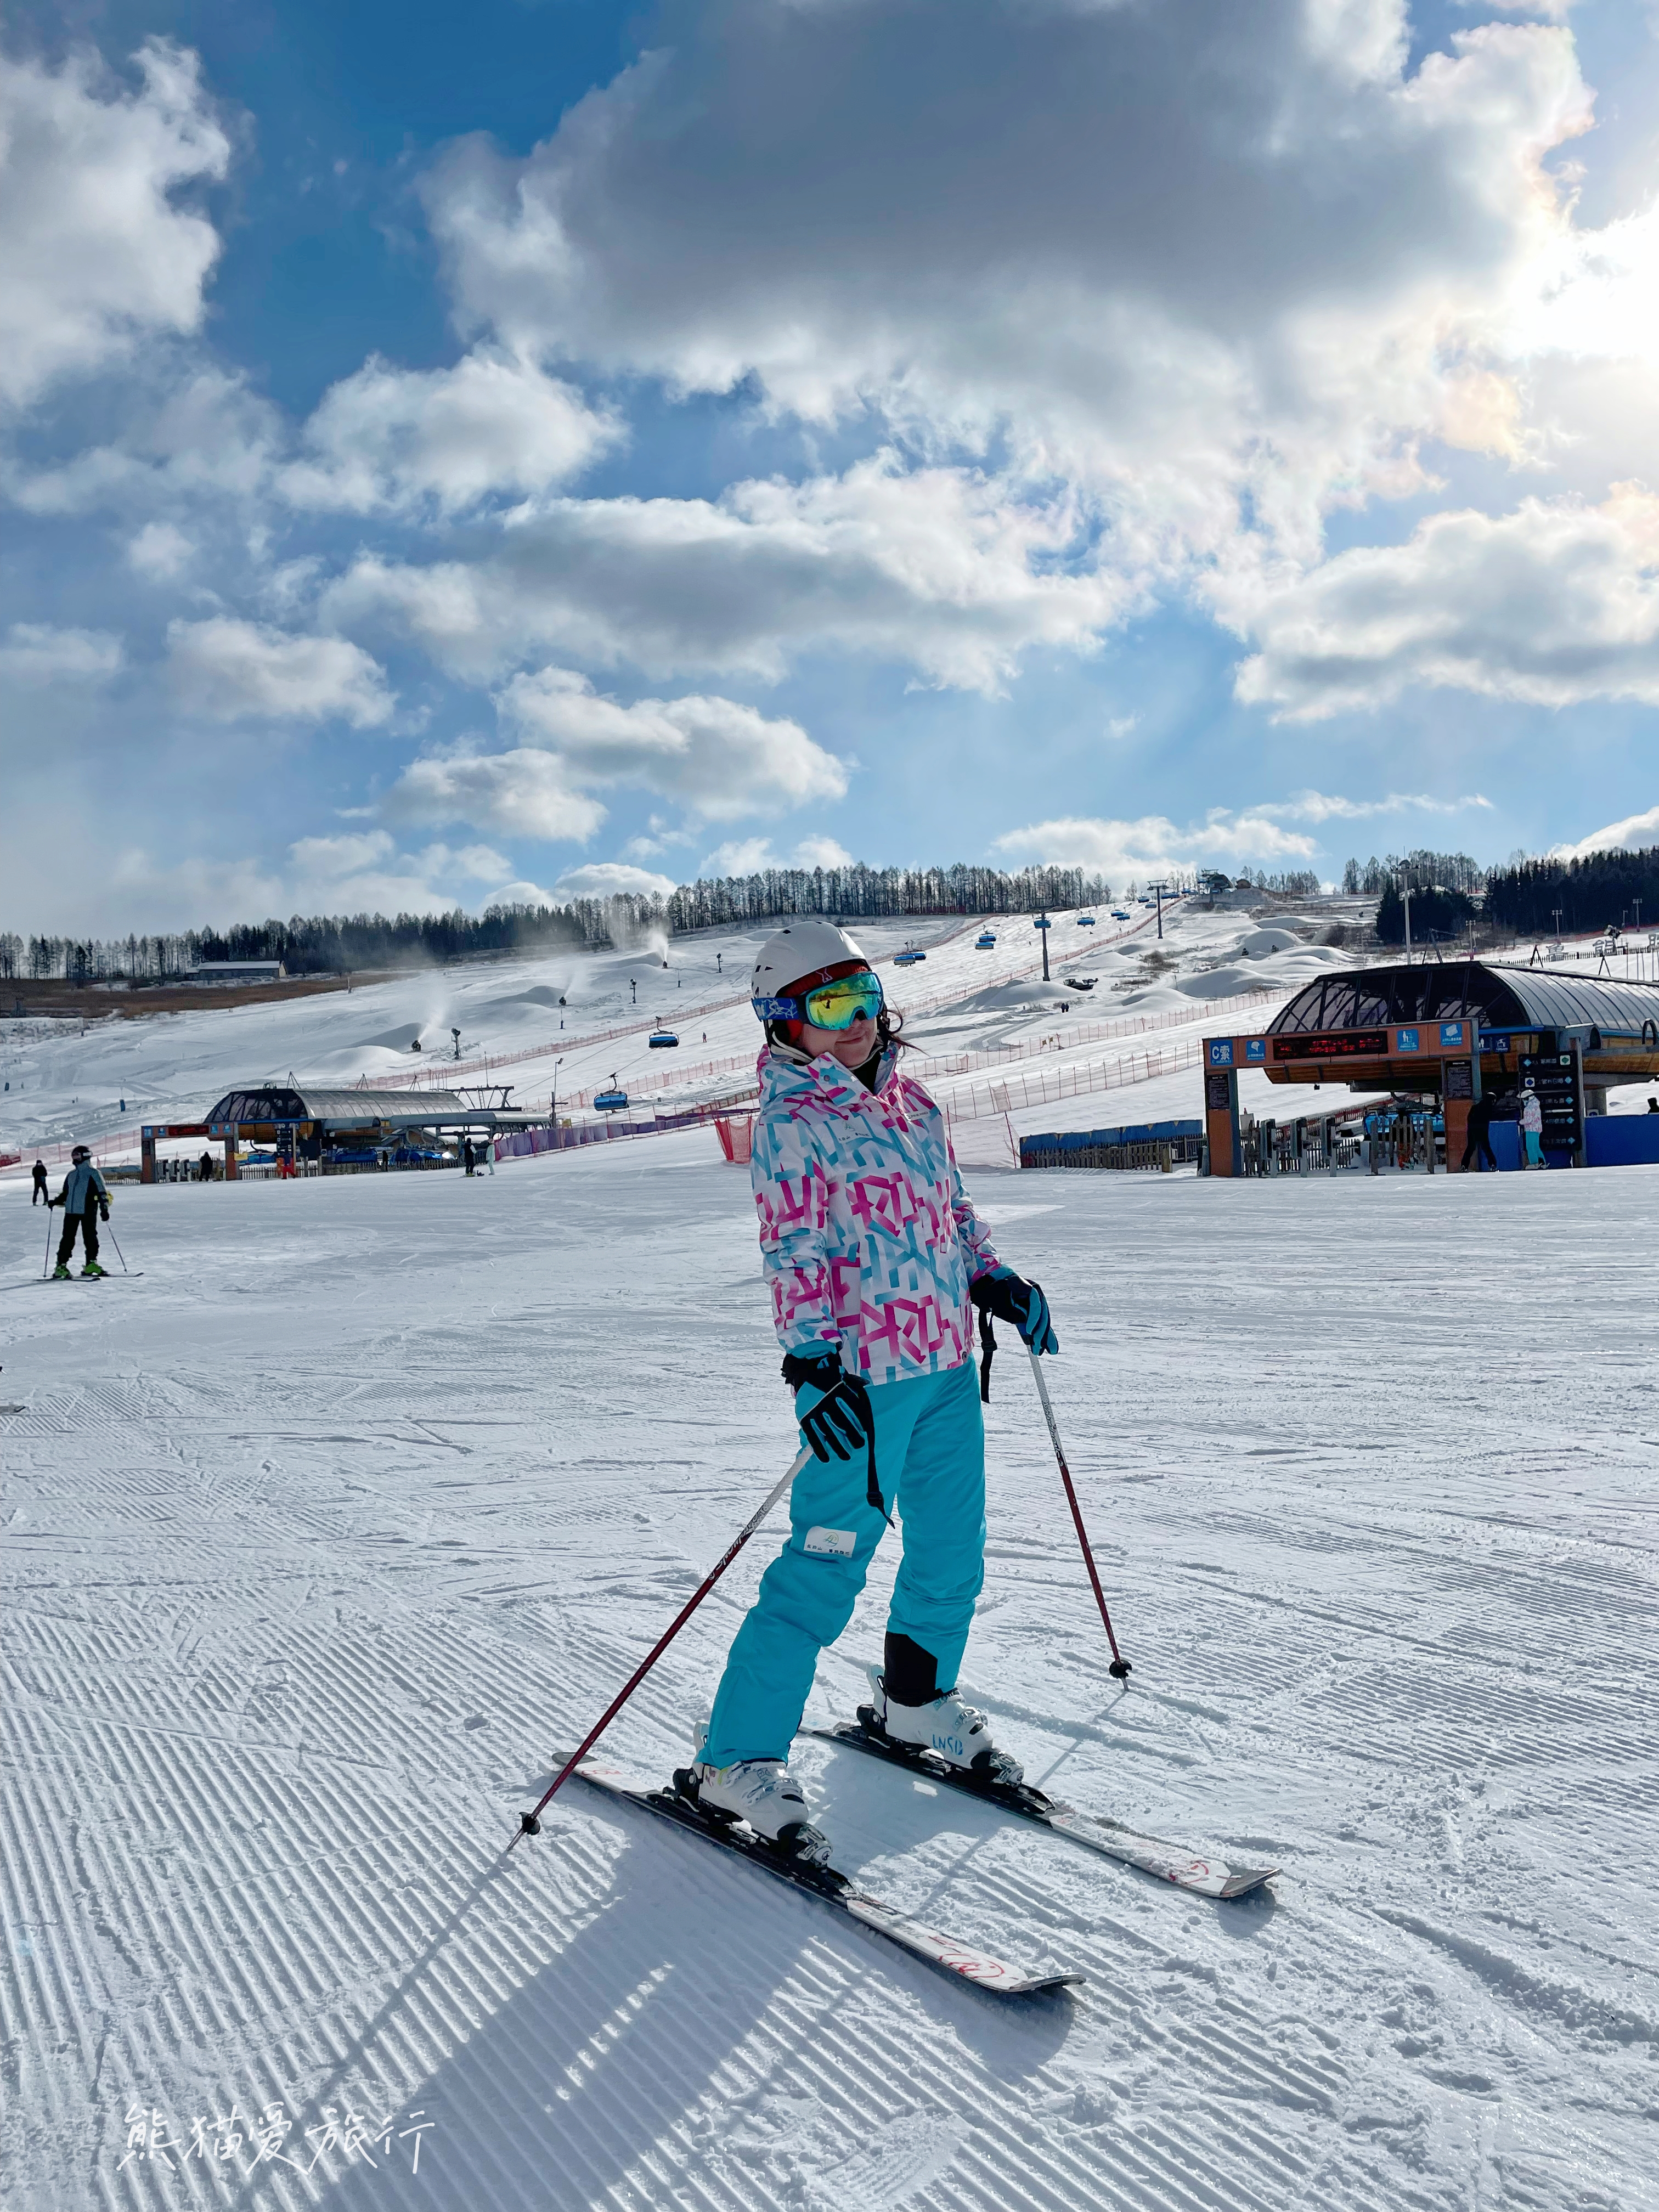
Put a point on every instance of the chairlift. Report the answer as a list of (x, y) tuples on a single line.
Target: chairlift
[(613, 1101), (908, 957), (1119, 915), (662, 1040), (986, 941), (1085, 921)]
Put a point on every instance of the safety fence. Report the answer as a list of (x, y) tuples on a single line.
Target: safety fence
[(1012, 1097)]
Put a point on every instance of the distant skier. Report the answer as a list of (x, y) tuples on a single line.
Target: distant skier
[(204, 1168), (40, 1187), (1479, 1146), (83, 1198), (469, 1158), (875, 1258), (1532, 1128)]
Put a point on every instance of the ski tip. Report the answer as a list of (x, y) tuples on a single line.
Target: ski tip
[(1244, 1882)]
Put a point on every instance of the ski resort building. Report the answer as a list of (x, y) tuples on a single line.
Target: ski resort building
[(335, 1127), (1455, 1031)]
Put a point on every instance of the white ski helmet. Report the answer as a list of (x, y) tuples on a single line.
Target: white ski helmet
[(803, 952)]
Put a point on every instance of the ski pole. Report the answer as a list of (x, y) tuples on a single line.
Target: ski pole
[(46, 1265), (1119, 1667), (119, 1254), (530, 1823)]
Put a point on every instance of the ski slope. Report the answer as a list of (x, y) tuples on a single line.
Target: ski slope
[(323, 1538), (70, 1081)]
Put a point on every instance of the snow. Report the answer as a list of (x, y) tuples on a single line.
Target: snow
[(327, 1535)]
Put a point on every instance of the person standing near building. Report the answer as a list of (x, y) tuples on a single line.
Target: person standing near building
[(490, 1151), (1479, 1146), (40, 1187), (204, 1168), (83, 1198), (875, 1258), (1532, 1129), (469, 1158)]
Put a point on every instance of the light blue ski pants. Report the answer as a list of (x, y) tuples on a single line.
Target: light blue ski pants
[(930, 1463)]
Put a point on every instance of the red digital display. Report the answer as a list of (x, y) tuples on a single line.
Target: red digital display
[(1336, 1044)]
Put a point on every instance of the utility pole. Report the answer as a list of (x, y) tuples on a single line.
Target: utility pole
[(1406, 900), (635, 989)]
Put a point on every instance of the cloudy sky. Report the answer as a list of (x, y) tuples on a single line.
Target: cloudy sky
[(541, 444)]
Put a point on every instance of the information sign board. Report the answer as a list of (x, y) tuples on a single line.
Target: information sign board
[(1554, 1076), (1457, 1078), (1332, 1044)]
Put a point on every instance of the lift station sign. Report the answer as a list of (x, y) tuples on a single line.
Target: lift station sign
[(1334, 1044), (1553, 1078)]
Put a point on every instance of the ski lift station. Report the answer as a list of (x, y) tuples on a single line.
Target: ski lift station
[(338, 1129), (1455, 1031)]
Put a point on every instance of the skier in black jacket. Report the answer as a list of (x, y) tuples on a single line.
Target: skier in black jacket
[(84, 1197)]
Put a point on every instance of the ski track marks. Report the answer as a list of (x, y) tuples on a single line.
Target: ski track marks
[(321, 1544)]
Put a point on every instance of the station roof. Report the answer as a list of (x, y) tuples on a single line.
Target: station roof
[(348, 1107), (1498, 997)]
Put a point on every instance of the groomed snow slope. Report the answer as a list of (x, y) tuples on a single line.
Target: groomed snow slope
[(66, 1085), (324, 1536)]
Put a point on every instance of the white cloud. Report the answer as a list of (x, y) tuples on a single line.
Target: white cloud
[(748, 856), (820, 852), (95, 251), (1186, 255), (1122, 848), (739, 856), (39, 655), (1635, 834), (388, 440), (1319, 806), (941, 569), (721, 759), (161, 551), (599, 879), (226, 670), (1552, 604), (354, 873), (523, 794)]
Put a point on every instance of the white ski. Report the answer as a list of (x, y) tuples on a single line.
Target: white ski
[(1170, 1863), (961, 1960)]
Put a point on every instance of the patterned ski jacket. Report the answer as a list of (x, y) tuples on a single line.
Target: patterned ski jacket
[(868, 1242)]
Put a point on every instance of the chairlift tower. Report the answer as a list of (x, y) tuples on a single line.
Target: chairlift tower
[(1044, 923), (1158, 891)]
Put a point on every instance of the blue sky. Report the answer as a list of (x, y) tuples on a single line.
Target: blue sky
[(548, 447)]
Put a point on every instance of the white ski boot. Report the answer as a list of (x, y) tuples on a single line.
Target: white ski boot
[(958, 1734), (764, 1793)]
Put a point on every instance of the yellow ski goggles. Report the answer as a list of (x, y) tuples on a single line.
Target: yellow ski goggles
[(833, 1005)]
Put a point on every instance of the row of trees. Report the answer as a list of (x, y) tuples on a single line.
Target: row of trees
[(337, 944), (1603, 890), (877, 891), (1422, 869)]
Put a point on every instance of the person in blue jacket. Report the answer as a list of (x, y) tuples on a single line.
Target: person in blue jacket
[(84, 1198)]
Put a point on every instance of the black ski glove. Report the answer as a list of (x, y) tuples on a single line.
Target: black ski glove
[(842, 1422), (1009, 1297)]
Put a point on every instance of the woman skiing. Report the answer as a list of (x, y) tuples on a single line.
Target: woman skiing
[(875, 1260)]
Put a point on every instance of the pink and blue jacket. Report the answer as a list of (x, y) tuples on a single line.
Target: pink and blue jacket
[(868, 1240)]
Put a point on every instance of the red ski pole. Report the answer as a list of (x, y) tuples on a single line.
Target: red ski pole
[(1119, 1667), (530, 1823)]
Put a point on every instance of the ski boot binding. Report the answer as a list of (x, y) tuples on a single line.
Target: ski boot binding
[(957, 1733), (761, 1792)]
